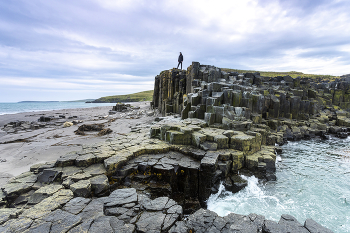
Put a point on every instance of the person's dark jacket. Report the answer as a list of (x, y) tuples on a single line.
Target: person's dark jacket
[(181, 58)]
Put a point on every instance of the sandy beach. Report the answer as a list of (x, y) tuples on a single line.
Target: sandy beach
[(22, 149)]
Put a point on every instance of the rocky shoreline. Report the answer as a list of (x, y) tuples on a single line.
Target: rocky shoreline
[(75, 193), (158, 178)]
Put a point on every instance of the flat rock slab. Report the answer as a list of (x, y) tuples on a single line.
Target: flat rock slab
[(5, 215), (43, 193), (26, 177), (62, 221), (159, 204), (96, 169), (103, 224), (49, 204), (15, 189), (93, 209), (150, 222), (76, 205), (16, 225), (120, 197), (70, 171), (39, 226), (170, 161), (82, 227)]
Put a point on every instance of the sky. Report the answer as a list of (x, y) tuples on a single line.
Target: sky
[(85, 49)]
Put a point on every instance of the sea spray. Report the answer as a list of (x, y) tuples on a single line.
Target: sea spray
[(224, 202)]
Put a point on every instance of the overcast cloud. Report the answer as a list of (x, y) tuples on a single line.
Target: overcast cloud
[(69, 50)]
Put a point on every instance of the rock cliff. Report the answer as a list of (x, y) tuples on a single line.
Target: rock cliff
[(207, 92)]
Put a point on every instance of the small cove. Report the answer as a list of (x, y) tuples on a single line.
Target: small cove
[(313, 181)]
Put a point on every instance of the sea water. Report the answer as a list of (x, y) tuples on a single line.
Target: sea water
[(313, 181), (11, 108)]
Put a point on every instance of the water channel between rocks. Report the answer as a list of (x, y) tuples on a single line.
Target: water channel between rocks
[(313, 181)]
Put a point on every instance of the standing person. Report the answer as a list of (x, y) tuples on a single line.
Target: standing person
[(181, 58)]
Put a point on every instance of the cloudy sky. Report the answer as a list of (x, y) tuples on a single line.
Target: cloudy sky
[(69, 50)]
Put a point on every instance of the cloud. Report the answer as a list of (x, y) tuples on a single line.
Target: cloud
[(112, 46)]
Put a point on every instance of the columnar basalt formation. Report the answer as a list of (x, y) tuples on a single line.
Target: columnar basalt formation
[(169, 88), (229, 98)]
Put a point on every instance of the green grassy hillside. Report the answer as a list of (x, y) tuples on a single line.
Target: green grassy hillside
[(136, 97)]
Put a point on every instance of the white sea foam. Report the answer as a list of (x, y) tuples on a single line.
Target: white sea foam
[(311, 183), (224, 202)]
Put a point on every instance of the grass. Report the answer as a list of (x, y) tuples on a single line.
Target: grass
[(136, 97), (293, 74)]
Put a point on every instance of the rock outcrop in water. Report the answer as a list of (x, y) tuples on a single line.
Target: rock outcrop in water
[(148, 180)]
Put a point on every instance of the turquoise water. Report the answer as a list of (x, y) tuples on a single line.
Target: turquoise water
[(313, 181), (11, 108)]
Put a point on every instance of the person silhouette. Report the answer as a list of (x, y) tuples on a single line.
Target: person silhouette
[(181, 58)]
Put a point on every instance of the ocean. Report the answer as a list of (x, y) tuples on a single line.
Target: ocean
[(12, 108), (312, 182)]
